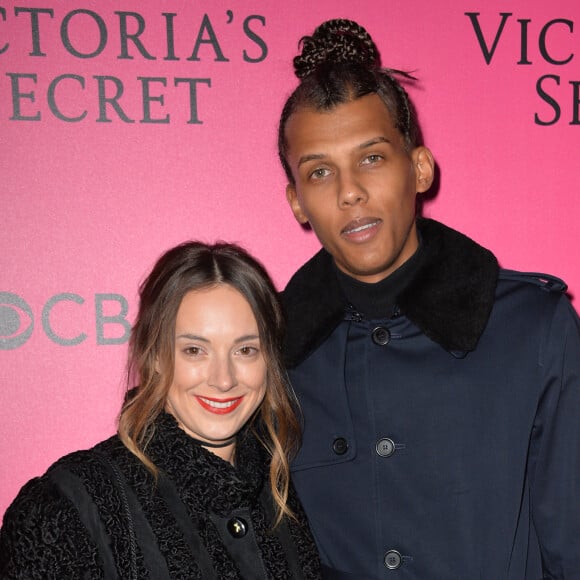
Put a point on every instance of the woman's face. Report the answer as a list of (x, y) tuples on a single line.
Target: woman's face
[(220, 368)]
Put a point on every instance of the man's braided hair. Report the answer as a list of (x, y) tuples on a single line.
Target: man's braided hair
[(340, 63)]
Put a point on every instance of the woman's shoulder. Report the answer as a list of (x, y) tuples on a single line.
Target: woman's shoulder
[(87, 463), (43, 491), (42, 535), (42, 530)]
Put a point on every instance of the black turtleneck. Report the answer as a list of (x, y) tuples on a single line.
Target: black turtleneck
[(378, 299)]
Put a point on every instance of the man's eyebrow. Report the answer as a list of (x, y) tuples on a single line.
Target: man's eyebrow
[(310, 157), (374, 141), (364, 145)]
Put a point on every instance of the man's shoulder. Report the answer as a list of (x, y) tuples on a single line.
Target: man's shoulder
[(313, 305), (313, 293), (536, 300), (532, 289), (310, 275), (537, 280)]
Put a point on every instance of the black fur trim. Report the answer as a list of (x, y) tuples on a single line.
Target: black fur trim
[(450, 299)]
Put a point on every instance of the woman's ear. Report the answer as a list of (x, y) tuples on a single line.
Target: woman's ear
[(294, 203), (424, 168)]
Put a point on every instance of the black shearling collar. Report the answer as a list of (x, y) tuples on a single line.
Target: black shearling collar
[(450, 298)]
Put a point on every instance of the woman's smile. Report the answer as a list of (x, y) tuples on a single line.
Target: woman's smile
[(219, 406)]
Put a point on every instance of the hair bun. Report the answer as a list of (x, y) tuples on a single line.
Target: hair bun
[(336, 42)]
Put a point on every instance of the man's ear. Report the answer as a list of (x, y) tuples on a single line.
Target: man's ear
[(424, 168), (294, 203)]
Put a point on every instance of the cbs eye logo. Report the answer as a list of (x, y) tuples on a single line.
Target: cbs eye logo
[(16, 321)]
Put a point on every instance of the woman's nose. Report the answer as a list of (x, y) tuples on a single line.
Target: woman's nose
[(222, 374)]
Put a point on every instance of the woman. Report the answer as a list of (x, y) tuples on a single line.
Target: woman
[(196, 482)]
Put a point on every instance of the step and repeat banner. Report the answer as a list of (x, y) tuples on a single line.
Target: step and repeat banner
[(127, 127)]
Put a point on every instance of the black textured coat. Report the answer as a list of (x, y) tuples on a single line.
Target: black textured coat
[(203, 518)]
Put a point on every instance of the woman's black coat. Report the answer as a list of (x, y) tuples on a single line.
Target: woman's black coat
[(100, 514)]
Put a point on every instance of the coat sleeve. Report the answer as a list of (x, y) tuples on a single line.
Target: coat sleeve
[(554, 460), (42, 537)]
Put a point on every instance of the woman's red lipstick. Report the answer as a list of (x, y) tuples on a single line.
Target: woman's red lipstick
[(219, 406)]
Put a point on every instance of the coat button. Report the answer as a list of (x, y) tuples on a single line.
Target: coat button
[(340, 445), (393, 559), (237, 527), (381, 336), (385, 447)]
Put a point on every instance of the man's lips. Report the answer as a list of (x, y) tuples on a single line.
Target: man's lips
[(219, 406), (360, 226)]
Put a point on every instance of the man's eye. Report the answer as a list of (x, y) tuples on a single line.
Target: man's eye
[(370, 159), (319, 173)]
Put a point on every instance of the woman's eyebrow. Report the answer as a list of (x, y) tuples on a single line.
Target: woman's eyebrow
[(188, 336)]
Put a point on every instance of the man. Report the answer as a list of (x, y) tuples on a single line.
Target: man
[(441, 395)]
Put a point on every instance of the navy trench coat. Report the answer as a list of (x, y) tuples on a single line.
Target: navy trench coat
[(427, 462)]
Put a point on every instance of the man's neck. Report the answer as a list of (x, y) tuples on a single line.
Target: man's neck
[(377, 300)]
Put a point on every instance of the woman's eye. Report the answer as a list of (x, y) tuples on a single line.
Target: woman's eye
[(192, 351), (248, 350)]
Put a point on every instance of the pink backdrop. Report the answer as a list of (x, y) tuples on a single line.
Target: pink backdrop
[(91, 194)]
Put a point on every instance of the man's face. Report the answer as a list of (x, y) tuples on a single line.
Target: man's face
[(355, 183)]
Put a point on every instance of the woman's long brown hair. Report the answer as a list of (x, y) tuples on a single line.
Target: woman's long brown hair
[(194, 266)]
